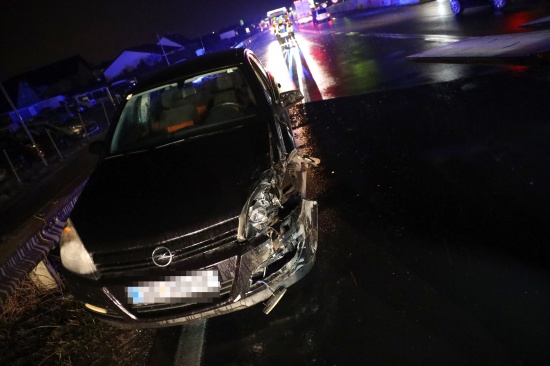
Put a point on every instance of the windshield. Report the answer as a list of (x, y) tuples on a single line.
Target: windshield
[(186, 108)]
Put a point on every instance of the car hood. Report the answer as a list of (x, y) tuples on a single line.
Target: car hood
[(146, 198)]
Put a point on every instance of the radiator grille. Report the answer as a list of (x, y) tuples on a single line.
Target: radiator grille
[(184, 247)]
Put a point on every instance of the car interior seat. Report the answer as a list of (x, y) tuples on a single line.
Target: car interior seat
[(225, 105), (224, 91), (177, 112), (242, 91)]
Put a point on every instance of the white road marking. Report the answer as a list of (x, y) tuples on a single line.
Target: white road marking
[(190, 345)]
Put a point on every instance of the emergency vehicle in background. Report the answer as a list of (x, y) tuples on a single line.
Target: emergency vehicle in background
[(302, 12), (276, 19), (279, 25), (277, 15)]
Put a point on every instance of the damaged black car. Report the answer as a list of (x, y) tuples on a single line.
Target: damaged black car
[(197, 206)]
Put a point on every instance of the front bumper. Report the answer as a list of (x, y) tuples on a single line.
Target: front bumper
[(247, 278)]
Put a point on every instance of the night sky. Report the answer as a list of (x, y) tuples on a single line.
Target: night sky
[(36, 33)]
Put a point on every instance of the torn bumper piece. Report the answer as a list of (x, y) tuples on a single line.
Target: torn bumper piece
[(253, 275)]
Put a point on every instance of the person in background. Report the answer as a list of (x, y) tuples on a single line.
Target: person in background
[(281, 33), (290, 30)]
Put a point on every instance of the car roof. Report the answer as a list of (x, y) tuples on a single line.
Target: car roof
[(196, 65)]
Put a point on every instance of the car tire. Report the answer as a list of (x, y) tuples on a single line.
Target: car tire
[(458, 8), (499, 4)]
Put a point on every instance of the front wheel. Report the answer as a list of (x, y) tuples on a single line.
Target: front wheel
[(499, 4), (457, 8)]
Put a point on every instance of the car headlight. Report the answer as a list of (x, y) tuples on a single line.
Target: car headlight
[(260, 210), (74, 255), (264, 208)]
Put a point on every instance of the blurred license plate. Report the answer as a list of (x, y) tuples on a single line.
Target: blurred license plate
[(193, 287)]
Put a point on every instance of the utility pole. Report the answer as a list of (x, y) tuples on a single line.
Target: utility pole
[(202, 44), (163, 52)]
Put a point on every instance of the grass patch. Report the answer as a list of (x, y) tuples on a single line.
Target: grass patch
[(41, 326)]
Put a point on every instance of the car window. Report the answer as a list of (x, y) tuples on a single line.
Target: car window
[(184, 108)]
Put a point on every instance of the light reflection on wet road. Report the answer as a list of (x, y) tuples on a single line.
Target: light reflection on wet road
[(367, 52)]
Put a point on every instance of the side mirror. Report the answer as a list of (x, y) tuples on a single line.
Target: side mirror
[(96, 147), (289, 98)]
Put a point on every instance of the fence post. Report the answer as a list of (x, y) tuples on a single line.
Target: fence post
[(11, 165), (54, 144), (105, 111), (83, 126)]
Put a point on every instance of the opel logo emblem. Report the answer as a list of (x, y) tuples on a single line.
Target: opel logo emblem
[(162, 256)]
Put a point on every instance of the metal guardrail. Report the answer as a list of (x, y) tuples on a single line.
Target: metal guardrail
[(31, 242), (34, 239)]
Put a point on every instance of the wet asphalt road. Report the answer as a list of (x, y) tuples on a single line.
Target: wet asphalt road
[(433, 234), (362, 52)]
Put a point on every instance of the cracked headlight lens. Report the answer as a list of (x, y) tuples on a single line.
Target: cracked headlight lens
[(263, 210), (74, 255), (258, 217), (260, 210)]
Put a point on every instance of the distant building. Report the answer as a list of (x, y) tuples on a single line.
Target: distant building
[(174, 40), (170, 49), (132, 58), (228, 34), (185, 47), (45, 87), (233, 35)]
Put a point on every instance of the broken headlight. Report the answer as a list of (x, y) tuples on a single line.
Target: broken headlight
[(74, 255), (260, 210), (264, 209)]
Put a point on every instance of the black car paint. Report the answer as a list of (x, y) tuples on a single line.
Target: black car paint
[(120, 180), (180, 186)]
